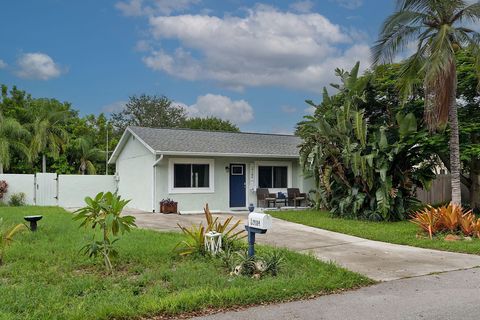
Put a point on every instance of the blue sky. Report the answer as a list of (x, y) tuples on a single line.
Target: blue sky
[(251, 62)]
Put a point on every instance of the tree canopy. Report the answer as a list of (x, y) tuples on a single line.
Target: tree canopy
[(41, 133), (210, 124), (149, 111)]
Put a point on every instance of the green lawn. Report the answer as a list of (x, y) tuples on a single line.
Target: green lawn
[(403, 232), (44, 277)]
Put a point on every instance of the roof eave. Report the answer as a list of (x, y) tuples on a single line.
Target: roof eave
[(123, 140), (219, 154)]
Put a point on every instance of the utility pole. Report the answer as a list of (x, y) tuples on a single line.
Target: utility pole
[(106, 154)]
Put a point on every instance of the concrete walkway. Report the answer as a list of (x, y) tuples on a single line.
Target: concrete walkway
[(378, 260), (446, 296)]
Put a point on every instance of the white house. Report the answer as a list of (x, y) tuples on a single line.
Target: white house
[(194, 167)]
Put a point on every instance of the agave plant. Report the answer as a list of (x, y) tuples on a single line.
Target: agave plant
[(428, 220), (6, 236)]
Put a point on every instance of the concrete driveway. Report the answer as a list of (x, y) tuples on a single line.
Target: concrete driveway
[(378, 260)]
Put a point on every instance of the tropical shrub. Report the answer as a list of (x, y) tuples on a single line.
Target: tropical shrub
[(6, 236), (17, 199), (195, 235), (3, 189), (103, 212), (359, 171)]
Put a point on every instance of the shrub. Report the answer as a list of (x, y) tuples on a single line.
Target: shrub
[(103, 212), (3, 188), (17, 199)]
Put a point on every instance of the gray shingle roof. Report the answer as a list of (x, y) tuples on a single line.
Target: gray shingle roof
[(199, 141)]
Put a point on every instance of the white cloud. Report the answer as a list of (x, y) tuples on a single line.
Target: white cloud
[(237, 111), (349, 4), (302, 6), (266, 47), (3, 64), (37, 66), (151, 7), (114, 106)]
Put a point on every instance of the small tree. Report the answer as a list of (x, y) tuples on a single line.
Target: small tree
[(103, 212)]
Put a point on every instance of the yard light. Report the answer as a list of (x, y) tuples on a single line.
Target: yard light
[(213, 242)]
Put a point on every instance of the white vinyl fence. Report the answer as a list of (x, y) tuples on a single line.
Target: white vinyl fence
[(50, 189)]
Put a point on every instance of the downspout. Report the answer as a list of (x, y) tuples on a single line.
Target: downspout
[(154, 183)]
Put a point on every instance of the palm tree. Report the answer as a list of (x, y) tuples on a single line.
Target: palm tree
[(87, 154), (49, 134), (438, 28), (11, 135)]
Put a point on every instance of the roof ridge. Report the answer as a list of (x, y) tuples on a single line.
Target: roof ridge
[(217, 131)]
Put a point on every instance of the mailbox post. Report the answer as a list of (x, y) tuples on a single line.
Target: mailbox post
[(257, 223)]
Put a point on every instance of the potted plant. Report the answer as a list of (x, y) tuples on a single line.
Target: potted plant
[(168, 206)]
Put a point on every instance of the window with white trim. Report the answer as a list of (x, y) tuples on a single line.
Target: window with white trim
[(191, 175), (272, 176)]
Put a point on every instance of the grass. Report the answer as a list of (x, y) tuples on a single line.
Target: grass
[(45, 277), (403, 232)]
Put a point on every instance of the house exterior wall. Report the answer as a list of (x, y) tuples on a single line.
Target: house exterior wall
[(219, 199), (135, 174)]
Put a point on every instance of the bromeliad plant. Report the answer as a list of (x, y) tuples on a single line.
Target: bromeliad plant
[(104, 213), (195, 242), (6, 236), (451, 218)]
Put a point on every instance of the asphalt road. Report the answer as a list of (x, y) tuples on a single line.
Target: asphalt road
[(446, 296)]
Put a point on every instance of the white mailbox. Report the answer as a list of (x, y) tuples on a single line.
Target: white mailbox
[(260, 220)]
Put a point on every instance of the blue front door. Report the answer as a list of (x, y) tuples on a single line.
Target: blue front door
[(237, 186)]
